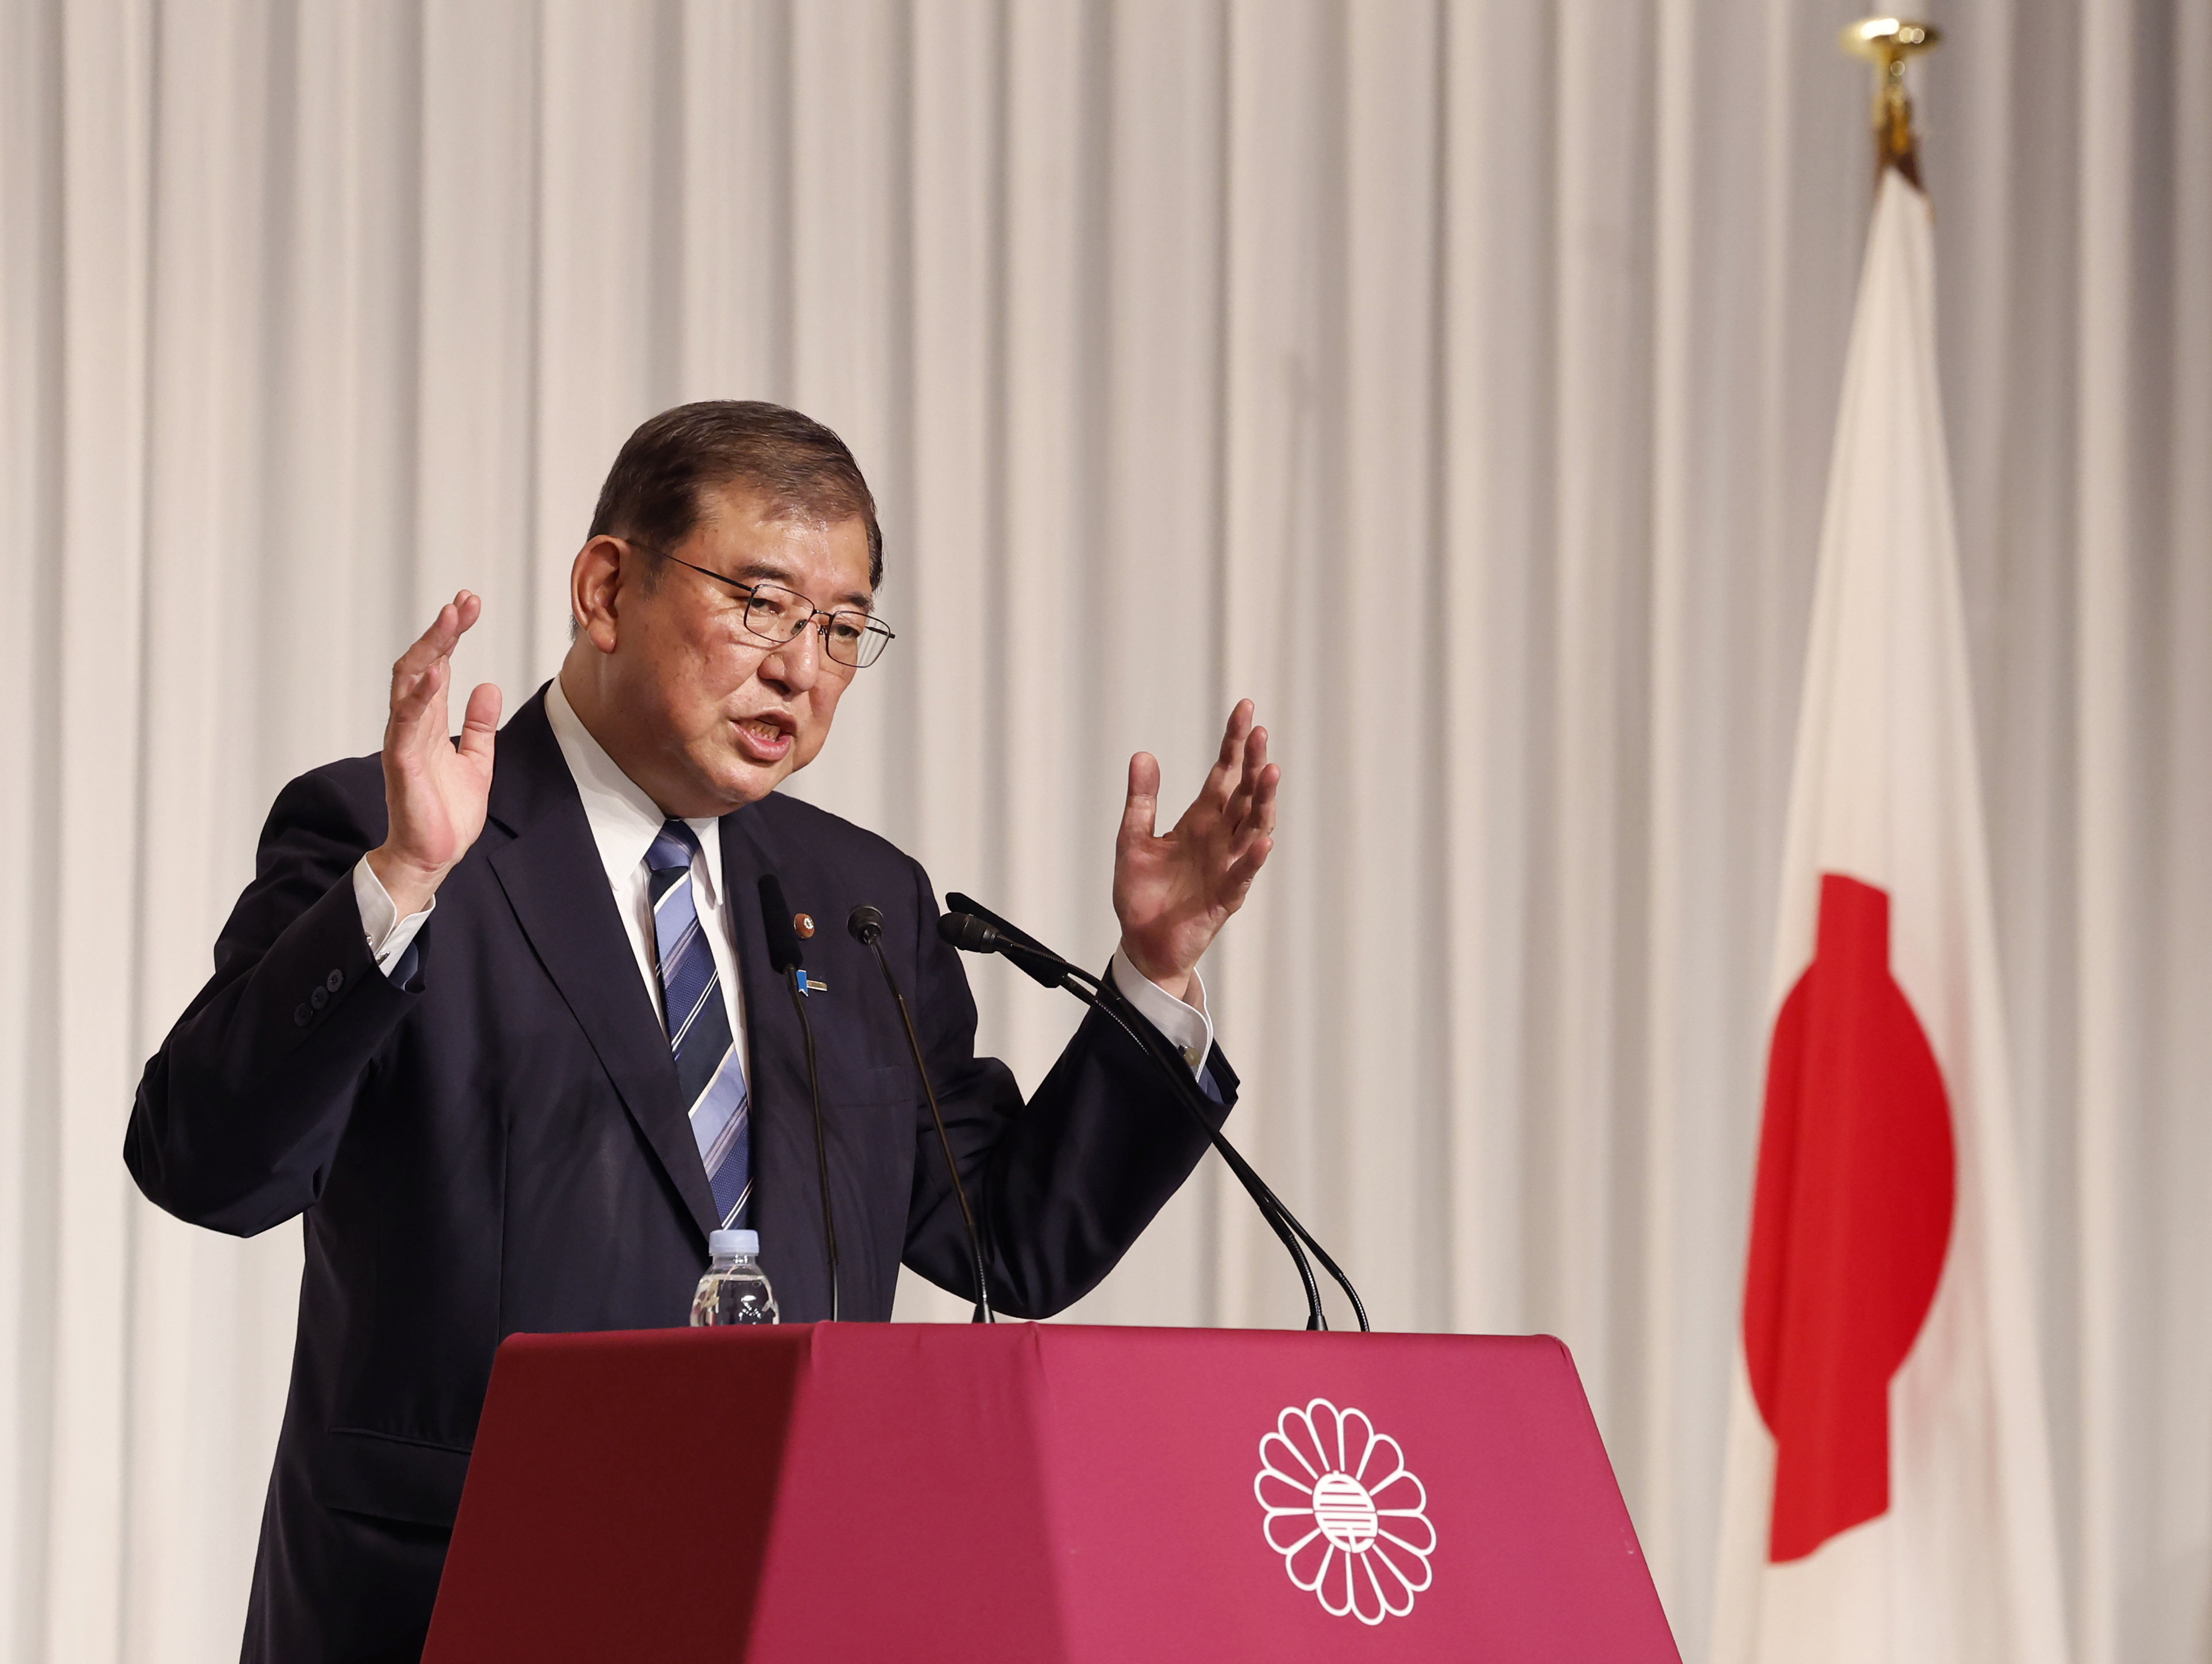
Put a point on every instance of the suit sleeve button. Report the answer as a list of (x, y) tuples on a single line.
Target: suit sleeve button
[(300, 1018), (320, 998), (335, 980)]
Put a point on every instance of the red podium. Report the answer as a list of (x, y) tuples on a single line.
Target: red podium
[(1039, 1494)]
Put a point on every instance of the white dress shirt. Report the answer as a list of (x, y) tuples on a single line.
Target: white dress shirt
[(624, 822)]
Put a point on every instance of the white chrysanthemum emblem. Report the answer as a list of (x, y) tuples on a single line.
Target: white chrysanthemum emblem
[(1345, 1512)]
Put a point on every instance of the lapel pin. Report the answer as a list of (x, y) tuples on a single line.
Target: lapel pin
[(804, 924)]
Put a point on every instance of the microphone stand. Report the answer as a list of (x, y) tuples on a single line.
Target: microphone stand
[(1170, 1062), (973, 934), (866, 925), (821, 1144), (783, 954)]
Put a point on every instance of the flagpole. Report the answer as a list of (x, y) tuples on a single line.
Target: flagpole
[(1886, 42)]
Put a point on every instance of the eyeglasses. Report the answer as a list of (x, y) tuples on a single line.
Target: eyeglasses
[(779, 615)]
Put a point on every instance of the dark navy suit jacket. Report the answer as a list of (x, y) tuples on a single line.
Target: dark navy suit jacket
[(494, 1142)]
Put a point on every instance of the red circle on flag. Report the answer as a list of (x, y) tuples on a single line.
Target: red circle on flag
[(1850, 1222)]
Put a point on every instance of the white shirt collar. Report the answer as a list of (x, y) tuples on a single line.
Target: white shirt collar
[(624, 821)]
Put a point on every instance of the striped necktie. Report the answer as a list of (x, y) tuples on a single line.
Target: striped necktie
[(709, 1071)]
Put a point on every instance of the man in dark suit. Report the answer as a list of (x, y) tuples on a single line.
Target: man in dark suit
[(509, 1039)]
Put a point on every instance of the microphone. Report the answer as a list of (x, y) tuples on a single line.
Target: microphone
[(866, 926), (1012, 932), (975, 929), (971, 934), (967, 933), (783, 956)]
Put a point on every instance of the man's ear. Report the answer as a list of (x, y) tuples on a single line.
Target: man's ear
[(594, 590)]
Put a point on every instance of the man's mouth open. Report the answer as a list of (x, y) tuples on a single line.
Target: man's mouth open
[(764, 739)]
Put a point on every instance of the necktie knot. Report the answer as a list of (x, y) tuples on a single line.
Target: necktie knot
[(672, 849)]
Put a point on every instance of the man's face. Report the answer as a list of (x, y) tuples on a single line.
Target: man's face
[(706, 716)]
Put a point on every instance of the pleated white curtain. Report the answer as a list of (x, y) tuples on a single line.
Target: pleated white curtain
[(1455, 378)]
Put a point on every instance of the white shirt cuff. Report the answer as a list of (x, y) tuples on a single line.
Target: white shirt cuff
[(387, 933), (1186, 1025)]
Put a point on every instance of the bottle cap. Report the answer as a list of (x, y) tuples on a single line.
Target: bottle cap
[(733, 1241)]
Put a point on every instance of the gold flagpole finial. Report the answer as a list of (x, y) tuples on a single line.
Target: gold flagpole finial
[(1885, 43)]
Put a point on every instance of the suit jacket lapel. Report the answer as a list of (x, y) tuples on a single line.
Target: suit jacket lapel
[(745, 858), (551, 873)]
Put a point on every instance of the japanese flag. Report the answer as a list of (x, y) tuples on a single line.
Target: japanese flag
[(1888, 1495)]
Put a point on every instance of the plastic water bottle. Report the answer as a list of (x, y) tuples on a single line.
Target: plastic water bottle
[(735, 1288)]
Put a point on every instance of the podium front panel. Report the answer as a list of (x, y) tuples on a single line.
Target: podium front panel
[(1040, 1493)]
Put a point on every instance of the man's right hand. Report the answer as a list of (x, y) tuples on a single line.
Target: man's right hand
[(435, 791)]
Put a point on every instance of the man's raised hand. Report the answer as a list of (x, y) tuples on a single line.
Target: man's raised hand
[(435, 791), (1173, 893)]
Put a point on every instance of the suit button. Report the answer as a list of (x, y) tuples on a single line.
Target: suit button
[(320, 998), (335, 980), (301, 1017)]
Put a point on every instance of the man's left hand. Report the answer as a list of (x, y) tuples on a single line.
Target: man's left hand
[(1173, 893)]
